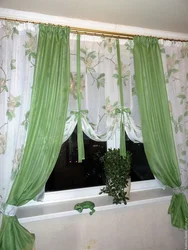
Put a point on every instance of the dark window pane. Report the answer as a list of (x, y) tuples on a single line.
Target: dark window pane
[(140, 169), (69, 174)]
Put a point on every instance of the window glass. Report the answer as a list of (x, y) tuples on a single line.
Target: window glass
[(69, 174), (140, 170)]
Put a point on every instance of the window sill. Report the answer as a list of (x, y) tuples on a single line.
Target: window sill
[(44, 211)]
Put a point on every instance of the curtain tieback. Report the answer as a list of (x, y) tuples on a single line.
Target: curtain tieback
[(180, 190), (8, 210)]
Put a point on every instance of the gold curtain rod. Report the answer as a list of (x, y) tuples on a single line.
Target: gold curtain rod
[(93, 32)]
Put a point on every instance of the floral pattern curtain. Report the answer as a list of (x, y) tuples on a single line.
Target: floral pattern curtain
[(175, 64), (100, 102), (18, 45)]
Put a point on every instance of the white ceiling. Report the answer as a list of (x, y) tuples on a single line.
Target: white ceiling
[(170, 15)]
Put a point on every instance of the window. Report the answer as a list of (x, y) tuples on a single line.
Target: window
[(69, 174)]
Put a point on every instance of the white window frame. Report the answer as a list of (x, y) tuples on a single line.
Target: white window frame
[(90, 192)]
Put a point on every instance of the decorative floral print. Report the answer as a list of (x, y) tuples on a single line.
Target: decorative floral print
[(2, 144), (31, 46), (13, 103), (3, 80), (10, 29), (87, 57), (16, 79), (100, 91), (16, 161), (110, 108), (73, 84), (175, 61), (172, 62), (109, 43), (12, 64), (125, 73), (26, 121), (184, 51)]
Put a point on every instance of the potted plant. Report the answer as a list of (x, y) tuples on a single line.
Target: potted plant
[(117, 171)]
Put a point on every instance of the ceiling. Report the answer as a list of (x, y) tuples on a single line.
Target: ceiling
[(170, 15)]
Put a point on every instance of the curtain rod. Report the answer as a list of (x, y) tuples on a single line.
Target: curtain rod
[(93, 32)]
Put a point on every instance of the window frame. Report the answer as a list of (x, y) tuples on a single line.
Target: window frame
[(87, 193)]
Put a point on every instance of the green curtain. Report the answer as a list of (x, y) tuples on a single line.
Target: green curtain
[(122, 109), (156, 124), (45, 133), (80, 138)]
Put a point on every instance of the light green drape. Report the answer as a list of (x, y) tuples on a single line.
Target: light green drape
[(80, 139), (45, 132), (122, 110), (156, 124)]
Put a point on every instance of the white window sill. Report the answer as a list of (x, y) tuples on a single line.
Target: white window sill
[(57, 209)]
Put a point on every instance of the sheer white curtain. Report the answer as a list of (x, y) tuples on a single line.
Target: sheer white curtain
[(175, 63), (18, 44), (100, 102)]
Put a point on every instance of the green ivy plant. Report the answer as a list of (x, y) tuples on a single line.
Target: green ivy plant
[(117, 171)]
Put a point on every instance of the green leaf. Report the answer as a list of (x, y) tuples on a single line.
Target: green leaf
[(176, 129), (29, 34), (33, 54), (133, 91), (27, 115), (181, 128), (15, 31), (186, 113), (101, 75), (182, 96), (98, 84), (116, 76), (83, 51), (82, 59), (91, 70), (180, 118), (186, 143), (5, 88), (10, 115), (26, 125), (12, 66), (29, 57), (183, 152), (93, 56), (182, 161), (174, 70), (18, 104), (187, 76), (115, 104), (27, 52)]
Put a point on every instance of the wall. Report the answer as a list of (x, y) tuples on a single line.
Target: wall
[(142, 227)]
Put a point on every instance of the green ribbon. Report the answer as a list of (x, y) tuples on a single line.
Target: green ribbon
[(122, 109), (80, 140), (80, 112)]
